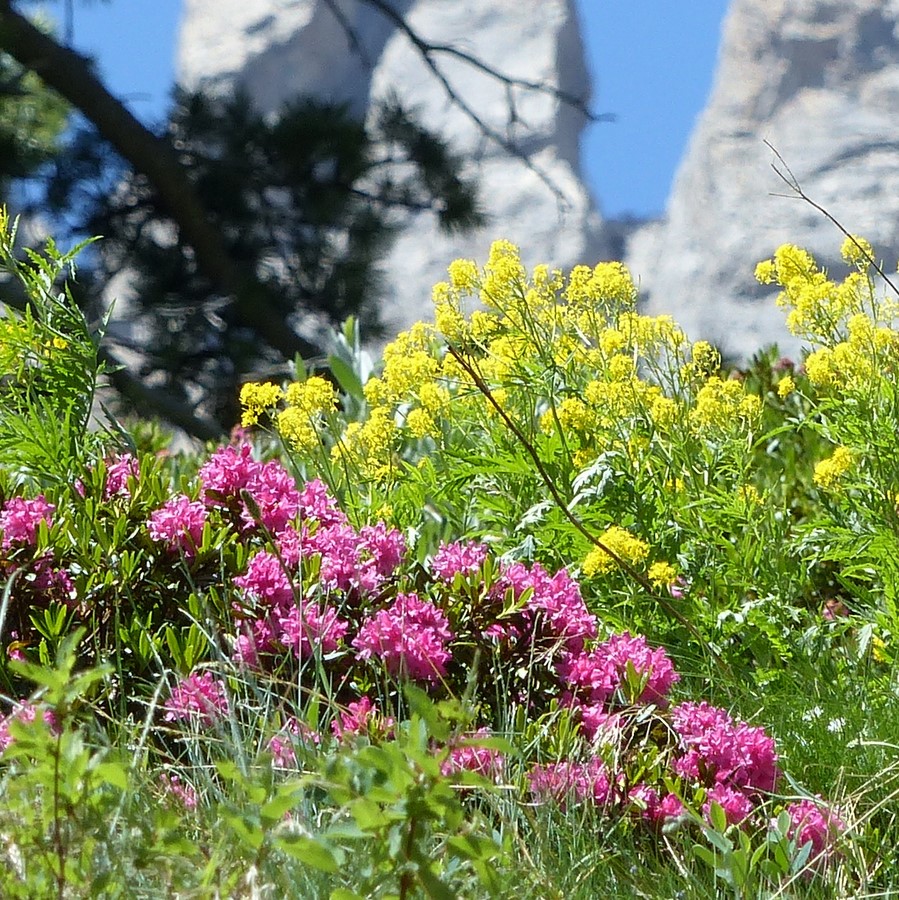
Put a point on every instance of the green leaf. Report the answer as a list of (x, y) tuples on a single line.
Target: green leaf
[(346, 377), (313, 852), (113, 773)]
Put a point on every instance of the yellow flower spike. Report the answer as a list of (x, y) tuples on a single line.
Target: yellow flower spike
[(255, 399), (819, 367), (792, 263), (857, 251), (663, 412), (612, 341), (622, 543), (421, 424), (765, 272), (314, 395), (662, 574), (464, 275), (785, 387), (706, 359), (295, 426), (830, 472), (622, 368)]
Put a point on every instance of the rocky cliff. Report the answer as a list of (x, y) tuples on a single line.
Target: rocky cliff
[(819, 81), (348, 51)]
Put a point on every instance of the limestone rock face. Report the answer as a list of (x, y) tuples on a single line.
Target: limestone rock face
[(818, 80), (276, 49)]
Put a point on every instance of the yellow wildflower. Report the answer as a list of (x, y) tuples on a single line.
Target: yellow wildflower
[(785, 387), (857, 251), (314, 395), (421, 424), (464, 275), (256, 398), (295, 426), (829, 472), (622, 543), (662, 574)]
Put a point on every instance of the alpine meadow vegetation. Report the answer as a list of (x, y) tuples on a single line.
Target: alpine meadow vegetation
[(547, 603)]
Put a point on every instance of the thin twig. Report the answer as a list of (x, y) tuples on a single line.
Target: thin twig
[(427, 50), (792, 183), (531, 451)]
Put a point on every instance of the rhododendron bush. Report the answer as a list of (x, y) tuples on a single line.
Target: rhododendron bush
[(552, 560)]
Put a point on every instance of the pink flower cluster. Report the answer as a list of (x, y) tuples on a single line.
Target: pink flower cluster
[(595, 680), (565, 781), (19, 520), (468, 755), (25, 712), (555, 614), (200, 698), (178, 524), (231, 478), (362, 718), (282, 745), (736, 761), (462, 557), (119, 470), (813, 822), (182, 792), (409, 637), (350, 564)]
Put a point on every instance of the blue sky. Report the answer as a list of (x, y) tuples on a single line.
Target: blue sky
[(652, 62)]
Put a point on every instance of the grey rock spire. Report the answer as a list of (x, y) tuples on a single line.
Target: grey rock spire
[(818, 80)]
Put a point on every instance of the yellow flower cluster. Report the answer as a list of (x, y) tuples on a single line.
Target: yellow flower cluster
[(257, 398), (829, 472), (819, 308), (622, 543), (607, 286), (370, 445), (307, 402), (786, 386), (856, 251), (662, 574), (722, 405)]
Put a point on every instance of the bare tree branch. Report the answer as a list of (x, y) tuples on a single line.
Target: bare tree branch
[(70, 74), (427, 50)]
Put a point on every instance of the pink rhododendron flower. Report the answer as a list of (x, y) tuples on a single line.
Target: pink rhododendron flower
[(653, 665), (231, 471), (670, 808), (25, 712), (362, 718), (118, 470), (47, 579), (282, 745), (307, 628), (385, 546), (318, 504), (178, 524), (257, 637), (563, 781), (459, 557), (198, 697), (19, 520), (409, 637), (812, 821), (266, 581), (719, 750), (735, 804), (473, 758), (182, 792), (555, 611)]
